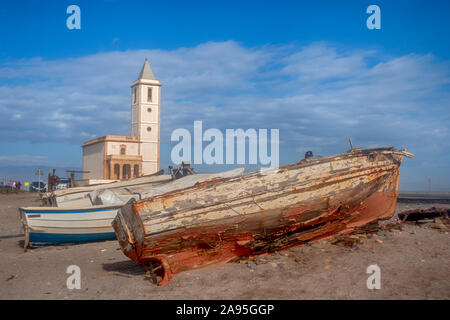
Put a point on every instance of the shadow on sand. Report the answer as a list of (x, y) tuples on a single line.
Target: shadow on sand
[(125, 267), (12, 236)]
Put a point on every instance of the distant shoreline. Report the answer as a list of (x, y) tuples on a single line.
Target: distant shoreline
[(424, 196)]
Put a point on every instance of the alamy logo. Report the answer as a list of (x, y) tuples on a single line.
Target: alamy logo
[(73, 21), (213, 152), (374, 20), (374, 280), (74, 280)]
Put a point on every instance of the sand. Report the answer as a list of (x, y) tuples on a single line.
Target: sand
[(414, 264)]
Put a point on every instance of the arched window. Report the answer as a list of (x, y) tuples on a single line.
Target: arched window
[(123, 149), (134, 95), (116, 171), (136, 170), (149, 94), (126, 171)]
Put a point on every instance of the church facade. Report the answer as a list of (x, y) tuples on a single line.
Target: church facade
[(125, 157)]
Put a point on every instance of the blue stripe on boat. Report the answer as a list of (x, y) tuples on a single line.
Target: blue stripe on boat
[(37, 238), (67, 211)]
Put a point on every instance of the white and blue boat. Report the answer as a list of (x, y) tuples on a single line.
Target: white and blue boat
[(81, 214), (85, 214), (53, 225)]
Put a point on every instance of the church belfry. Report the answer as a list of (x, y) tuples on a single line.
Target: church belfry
[(145, 117)]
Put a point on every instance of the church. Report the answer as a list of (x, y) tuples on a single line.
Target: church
[(125, 157)]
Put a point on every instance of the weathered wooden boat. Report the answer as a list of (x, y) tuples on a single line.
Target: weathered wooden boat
[(87, 215), (222, 219), (83, 196)]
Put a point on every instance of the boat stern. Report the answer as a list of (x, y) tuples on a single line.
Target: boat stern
[(26, 229), (129, 231)]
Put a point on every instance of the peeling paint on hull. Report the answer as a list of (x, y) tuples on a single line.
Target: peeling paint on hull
[(222, 219)]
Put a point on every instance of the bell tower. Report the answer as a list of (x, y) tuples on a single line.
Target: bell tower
[(145, 117)]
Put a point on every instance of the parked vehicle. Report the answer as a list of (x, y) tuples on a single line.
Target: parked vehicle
[(35, 186), (62, 184)]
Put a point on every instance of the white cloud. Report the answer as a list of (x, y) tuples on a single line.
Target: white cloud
[(318, 96), (24, 159)]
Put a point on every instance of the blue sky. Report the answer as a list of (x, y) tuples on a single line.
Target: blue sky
[(311, 69)]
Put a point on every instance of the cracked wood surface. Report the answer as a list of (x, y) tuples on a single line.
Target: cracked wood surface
[(221, 219)]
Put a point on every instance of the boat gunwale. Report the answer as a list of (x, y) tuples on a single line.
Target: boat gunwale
[(63, 209), (207, 208), (111, 185), (297, 165)]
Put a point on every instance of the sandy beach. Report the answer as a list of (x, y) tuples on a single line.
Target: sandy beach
[(414, 264)]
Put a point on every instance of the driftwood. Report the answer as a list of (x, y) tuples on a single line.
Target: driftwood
[(426, 214), (437, 218)]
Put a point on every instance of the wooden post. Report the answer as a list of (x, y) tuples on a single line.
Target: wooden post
[(39, 174)]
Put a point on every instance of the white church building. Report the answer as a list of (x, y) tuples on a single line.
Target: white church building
[(124, 157)]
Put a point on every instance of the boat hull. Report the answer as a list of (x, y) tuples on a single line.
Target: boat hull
[(52, 226), (45, 239), (218, 221)]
